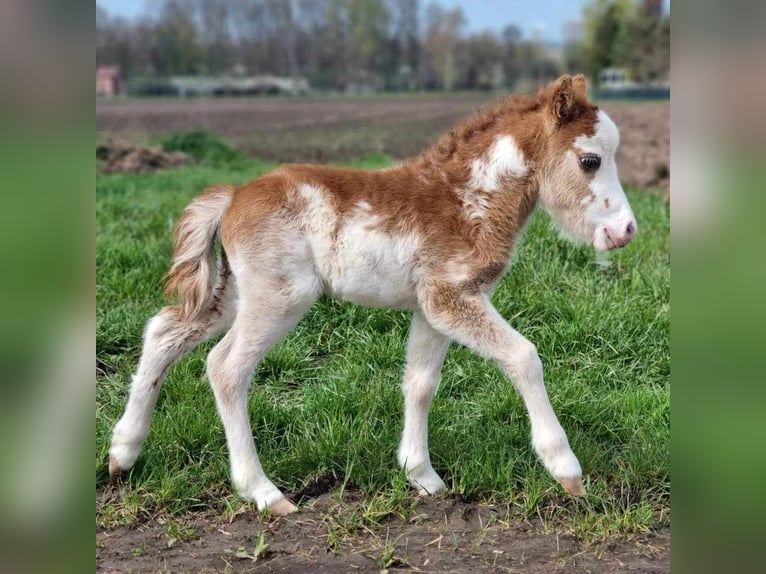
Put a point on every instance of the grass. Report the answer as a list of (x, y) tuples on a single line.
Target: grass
[(205, 148), (326, 400)]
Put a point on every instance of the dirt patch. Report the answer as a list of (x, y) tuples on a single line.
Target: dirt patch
[(643, 158), (121, 156), (232, 116), (328, 535)]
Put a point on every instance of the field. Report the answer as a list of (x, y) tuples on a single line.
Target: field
[(326, 408), (338, 129)]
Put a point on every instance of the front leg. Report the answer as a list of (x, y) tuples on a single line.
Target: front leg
[(473, 321), (426, 349)]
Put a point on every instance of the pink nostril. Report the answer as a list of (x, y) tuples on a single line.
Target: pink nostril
[(631, 230)]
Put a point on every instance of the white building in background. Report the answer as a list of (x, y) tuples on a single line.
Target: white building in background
[(236, 86), (615, 79)]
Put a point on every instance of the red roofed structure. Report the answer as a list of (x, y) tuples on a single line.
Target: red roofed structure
[(108, 81)]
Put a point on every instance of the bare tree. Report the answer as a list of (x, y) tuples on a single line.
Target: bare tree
[(407, 38), (443, 30), (479, 62), (510, 38), (216, 34), (176, 48), (374, 44), (368, 31)]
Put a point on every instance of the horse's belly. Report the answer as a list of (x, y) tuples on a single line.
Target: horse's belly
[(374, 269)]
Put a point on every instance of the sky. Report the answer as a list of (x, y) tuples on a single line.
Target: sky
[(544, 16)]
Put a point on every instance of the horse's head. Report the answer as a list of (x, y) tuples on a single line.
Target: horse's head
[(578, 179)]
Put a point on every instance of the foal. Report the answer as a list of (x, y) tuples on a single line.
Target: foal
[(433, 235)]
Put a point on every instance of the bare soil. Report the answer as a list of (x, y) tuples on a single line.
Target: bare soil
[(231, 116), (440, 535), (338, 129), (643, 158)]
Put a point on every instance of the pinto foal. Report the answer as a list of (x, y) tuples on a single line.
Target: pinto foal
[(432, 235)]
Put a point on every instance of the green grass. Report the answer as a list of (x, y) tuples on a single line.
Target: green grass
[(206, 148), (326, 400)]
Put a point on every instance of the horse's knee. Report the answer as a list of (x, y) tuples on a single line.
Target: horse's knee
[(162, 324), (419, 387), (523, 361), (529, 359), (216, 364), (229, 370)]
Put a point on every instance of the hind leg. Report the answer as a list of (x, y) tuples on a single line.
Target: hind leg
[(167, 338), (261, 322)]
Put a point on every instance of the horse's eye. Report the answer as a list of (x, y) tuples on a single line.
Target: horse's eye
[(590, 162)]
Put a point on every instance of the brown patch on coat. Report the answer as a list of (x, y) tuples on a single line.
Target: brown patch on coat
[(463, 312), (606, 202)]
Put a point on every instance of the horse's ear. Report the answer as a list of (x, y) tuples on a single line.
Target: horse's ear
[(580, 85), (563, 101)]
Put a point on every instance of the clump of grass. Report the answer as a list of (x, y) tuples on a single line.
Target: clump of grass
[(326, 400), (205, 148)]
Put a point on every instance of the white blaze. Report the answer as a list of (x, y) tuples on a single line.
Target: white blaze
[(608, 207)]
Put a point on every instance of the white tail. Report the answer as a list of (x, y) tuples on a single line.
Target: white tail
[(193, 272)]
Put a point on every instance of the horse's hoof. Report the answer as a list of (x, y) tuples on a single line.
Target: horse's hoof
[(573, 486), (283, 507), (114, 471)]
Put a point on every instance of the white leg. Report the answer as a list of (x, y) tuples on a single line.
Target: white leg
[(475, 323), (166, 339), (426, 349), (230, 367)]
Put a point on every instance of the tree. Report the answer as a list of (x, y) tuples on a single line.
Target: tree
[(479, 62), (537, 66), (512, 66), (373, 44), (336, 46), (627, 34), (644, 45), (368, 22), (443, 31), (404, 14), (176, 48), (216, 35), (310, 26), (121, 43), (574, 48), (604, 23)]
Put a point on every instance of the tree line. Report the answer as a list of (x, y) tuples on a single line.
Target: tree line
[(370, 44)]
